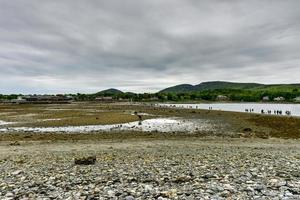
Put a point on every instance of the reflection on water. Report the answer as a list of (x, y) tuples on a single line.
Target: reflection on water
[(149, 125), (294, 109)]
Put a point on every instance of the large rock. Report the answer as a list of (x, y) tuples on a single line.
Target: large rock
[(90, 160)]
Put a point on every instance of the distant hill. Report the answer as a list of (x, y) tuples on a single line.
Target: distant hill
[(179, 88), (111, 91), (213, 85), (225, 85)]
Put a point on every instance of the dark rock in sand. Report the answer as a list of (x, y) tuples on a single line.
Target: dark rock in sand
[(15, 143), (90, 160), (247, 130)]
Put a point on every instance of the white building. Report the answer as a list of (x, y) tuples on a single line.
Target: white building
[(279, 99), (104, 99), (222, 98), (266, 98), (20, 99), (297, 99)]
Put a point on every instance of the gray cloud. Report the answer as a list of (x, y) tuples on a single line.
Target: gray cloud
[(85, 46)]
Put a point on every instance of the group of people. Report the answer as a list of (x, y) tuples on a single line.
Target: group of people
[(275, 112), (251, 110)]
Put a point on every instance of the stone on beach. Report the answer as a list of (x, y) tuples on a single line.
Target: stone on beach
[(90, 160)]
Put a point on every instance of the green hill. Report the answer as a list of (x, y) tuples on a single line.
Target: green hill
[(225, 85), (111, 91), (179, 89), (220, 85)]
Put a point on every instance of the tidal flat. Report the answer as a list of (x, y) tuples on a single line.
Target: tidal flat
[(212, 155)]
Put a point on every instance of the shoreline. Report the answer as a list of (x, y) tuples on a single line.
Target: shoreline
[(226, 124)]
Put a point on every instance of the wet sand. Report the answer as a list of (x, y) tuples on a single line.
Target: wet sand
[(190, 122)]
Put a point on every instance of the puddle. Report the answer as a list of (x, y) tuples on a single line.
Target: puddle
[(27, 115), (5, 123), (149, 125), (54, 119), (142, 114), (74, 109), (7, 113)]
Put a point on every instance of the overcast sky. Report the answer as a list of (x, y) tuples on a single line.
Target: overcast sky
[(64, 46)]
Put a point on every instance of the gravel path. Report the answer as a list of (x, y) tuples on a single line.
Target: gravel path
[(165, 169)]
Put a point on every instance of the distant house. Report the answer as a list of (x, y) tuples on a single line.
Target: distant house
[(279, 99), (104, 99), (297, 99), (266, 98), (222, 98), (19, 100), (123, 100), (154, 99), (42, 99)]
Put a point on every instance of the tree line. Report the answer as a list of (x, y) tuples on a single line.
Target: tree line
[(206, 95)]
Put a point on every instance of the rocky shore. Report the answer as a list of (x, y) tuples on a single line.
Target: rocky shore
[(152, 169)]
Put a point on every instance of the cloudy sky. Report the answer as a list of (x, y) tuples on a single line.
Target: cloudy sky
[(63, 46)]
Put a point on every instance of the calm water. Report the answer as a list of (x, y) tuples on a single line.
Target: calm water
[(148, 125), (241, 107)]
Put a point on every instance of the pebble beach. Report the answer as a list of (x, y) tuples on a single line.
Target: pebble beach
[(153, 169)]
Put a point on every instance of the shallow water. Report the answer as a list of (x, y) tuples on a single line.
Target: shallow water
[(241, 107), (5, 123), (149, 125), (54, 119)]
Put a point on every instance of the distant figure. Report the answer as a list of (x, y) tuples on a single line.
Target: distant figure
[(139, 116), (140, 119), (246, 110), (262, 111)]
